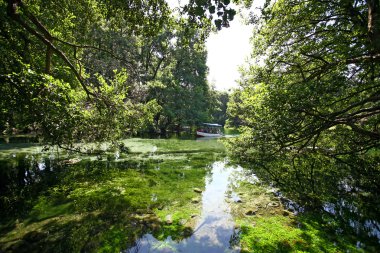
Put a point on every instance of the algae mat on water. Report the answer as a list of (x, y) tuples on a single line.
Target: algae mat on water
[(102, 205), (155, 193), (268, 223)]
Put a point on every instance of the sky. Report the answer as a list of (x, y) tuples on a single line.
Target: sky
[(227, 50)]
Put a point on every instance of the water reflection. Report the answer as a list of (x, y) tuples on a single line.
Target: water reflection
[(214, 231), (115, 201), (19, 177), (362, 226)]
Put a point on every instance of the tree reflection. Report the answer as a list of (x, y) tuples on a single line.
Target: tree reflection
[(341, 190)]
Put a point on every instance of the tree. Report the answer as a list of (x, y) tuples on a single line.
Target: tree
[(181, 88), (59, 61), (219, 114), (200, 10), (47, 46), (234, 111), (310, 108)]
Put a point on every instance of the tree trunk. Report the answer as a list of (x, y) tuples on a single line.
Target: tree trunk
[(49, 54), (374, 25)]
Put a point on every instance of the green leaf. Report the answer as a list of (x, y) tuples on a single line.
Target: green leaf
[(211, 9), (218, 24), (226, 2)]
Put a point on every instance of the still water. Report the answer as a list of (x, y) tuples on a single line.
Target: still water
[(119, 202), (215, 231), (164, 195)]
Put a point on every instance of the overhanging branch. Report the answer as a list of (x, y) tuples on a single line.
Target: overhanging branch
[(57, 52), (44, 38)]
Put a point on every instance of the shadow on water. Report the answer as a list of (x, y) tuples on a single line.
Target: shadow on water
[(170, 196), (64, 206), (338, 204), (19, 139)]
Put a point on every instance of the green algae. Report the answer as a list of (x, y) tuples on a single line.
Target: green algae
[(135, 147), (267, 226), (278, 233), (105, 205)]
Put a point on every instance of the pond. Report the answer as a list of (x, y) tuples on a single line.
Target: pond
[(214, 230), (154, 195)]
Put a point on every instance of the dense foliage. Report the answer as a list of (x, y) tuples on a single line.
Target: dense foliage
[(181, 88), (98, 70), (309, 101), (219, 114)]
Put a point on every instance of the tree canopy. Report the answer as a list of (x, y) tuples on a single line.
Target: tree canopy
[(309, 100), (95, 70)]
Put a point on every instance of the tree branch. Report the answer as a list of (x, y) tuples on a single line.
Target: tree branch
[(45, 37), (56, 51), (315, 57), (363, 58)]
